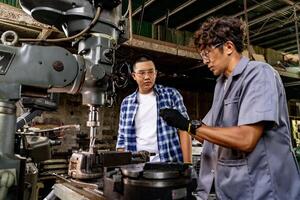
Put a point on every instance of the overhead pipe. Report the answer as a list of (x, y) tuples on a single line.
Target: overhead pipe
[(247, 30), (297, 33), (141, 18), (130, 20)]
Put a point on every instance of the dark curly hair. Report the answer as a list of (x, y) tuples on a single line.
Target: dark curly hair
[(220, 30)]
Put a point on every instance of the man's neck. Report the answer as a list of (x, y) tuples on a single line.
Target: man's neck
[(235, 59), (145, 92)]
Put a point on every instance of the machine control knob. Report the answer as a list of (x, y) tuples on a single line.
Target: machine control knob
[(58, 66), (108, 55), (97, 71)]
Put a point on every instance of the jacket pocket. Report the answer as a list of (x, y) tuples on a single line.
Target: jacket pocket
[(232, 180), (231, 111)]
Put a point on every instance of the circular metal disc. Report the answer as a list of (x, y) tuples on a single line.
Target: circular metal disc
[(157, 183), (157, 174), (133, 170)]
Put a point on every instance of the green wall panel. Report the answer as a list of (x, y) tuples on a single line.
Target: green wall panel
[(11, 2), (146, 29)]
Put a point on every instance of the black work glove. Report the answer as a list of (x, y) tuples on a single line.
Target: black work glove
[(174, 118)]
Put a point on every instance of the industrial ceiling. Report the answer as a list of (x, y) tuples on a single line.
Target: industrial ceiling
[(272, 24)]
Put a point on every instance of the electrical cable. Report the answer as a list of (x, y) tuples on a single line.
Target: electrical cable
[(127, 11)]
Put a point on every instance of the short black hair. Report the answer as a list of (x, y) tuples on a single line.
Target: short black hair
[(220, 30), (141, 58)]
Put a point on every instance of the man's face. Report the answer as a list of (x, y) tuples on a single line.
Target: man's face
[(215, 58), (144, 74)]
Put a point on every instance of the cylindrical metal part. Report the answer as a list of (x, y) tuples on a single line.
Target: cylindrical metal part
[(93, 123), (93, 117), (93, 132), (7, 127)]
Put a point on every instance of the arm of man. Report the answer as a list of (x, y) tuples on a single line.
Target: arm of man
[(200, 139), (186, 146), (185, 139), (244, 137), (120, 146)]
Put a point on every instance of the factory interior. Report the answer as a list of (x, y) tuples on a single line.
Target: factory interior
[(59, 128)]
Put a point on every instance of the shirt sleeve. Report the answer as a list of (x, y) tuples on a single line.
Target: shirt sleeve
[(260, 96), (179, 105), (207, 120), (121, 130)]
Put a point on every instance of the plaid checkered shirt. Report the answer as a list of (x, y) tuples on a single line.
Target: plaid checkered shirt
[(167, 136)]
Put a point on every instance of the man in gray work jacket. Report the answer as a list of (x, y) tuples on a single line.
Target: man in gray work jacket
[(247, 146)]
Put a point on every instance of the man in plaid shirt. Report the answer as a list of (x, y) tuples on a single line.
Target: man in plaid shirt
[(141, 128)]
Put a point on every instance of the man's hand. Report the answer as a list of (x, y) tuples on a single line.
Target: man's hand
[(174, 118)]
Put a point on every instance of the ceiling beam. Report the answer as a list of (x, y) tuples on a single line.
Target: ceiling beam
[(251, 8), (291, 3), (179, 8), (271, 27), (283, 45), (271, 14), (139, 9), (295, 51), (291, 84), (205, 14), (278, 30), (290, 48), (278, 39)]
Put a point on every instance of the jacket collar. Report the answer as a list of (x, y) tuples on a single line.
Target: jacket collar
[(239, 68)]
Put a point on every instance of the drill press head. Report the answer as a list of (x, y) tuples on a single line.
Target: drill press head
[(97, 46)]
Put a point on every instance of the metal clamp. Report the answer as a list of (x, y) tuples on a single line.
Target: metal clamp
[(9, 38)]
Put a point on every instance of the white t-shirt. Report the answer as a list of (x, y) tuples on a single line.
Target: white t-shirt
[(146, 125)]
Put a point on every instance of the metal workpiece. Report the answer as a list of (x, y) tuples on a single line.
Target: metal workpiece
[(84, 165), (7, 127)]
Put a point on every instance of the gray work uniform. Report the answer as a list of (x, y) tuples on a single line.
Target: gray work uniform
[(253, 93)]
